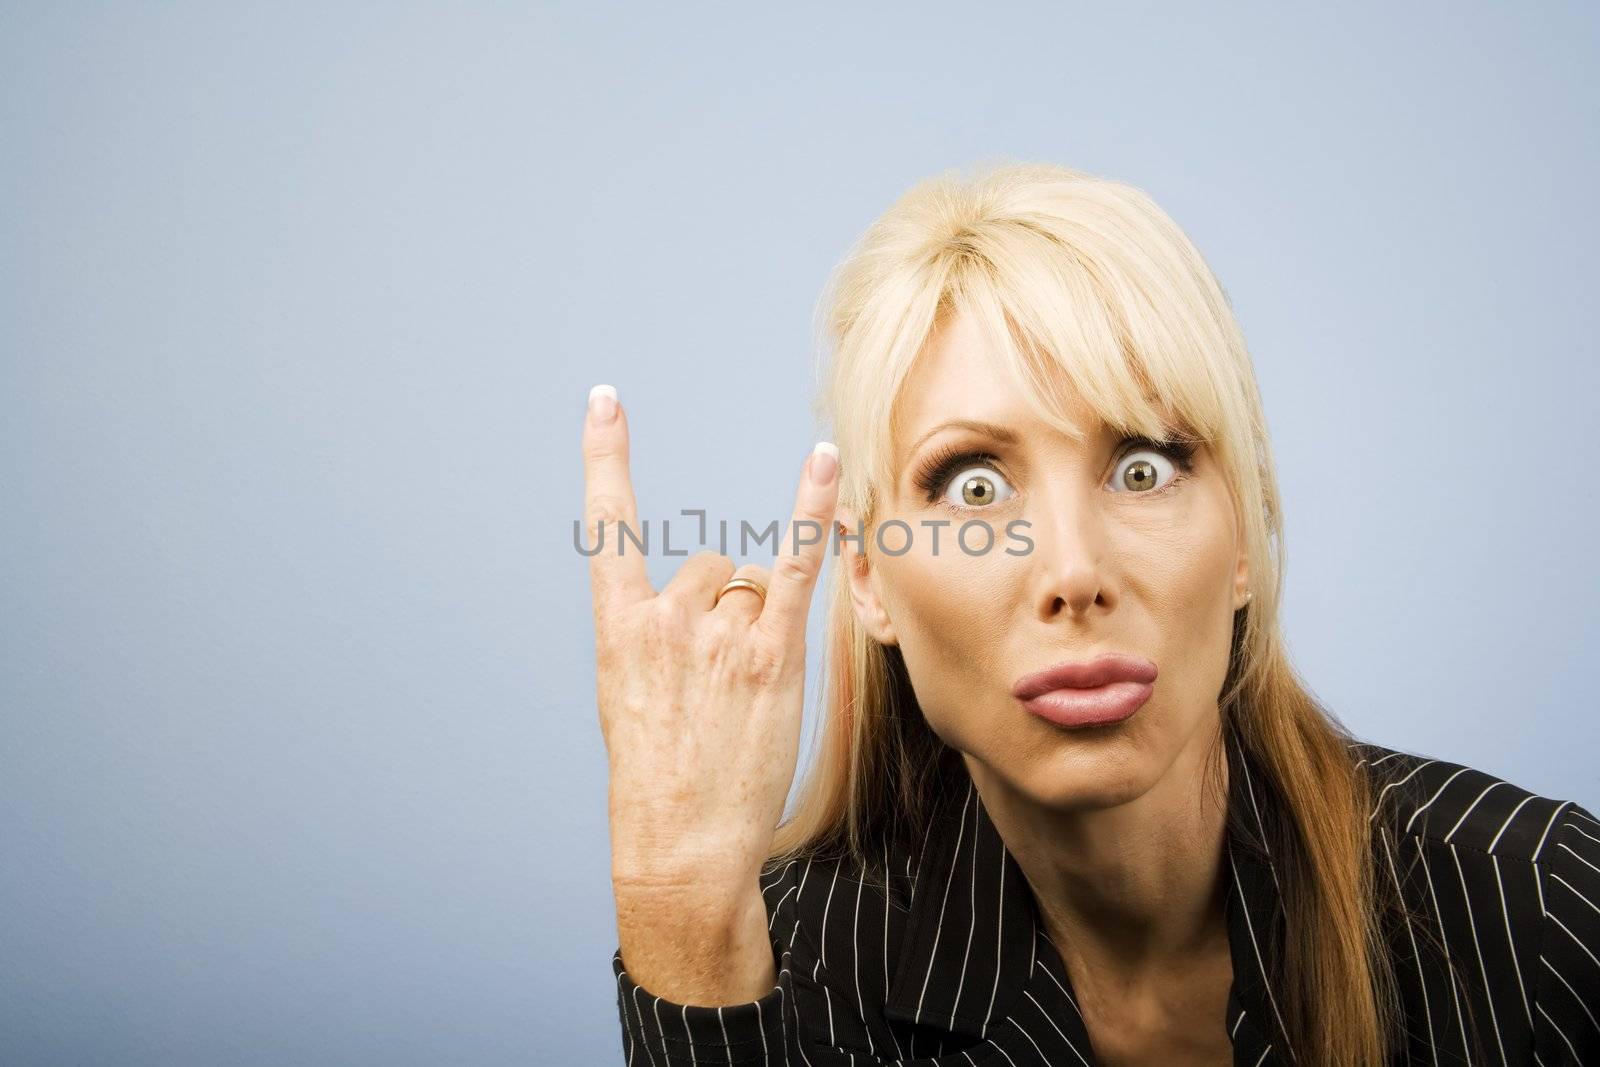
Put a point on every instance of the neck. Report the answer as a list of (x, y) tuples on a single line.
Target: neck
[(1132, 889)]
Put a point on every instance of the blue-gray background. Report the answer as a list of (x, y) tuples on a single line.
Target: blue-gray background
[(298, 310)]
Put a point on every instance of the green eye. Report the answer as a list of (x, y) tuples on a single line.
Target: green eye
[(1144, 472), (1152, 466), (977, 487)]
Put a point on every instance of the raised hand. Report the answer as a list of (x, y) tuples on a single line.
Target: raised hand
[(700, 700)]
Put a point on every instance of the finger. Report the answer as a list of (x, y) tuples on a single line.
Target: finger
[(799, 559), (698, 580), (617, 571), (743, 603)]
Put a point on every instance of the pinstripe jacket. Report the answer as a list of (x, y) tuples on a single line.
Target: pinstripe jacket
[(950, 967)]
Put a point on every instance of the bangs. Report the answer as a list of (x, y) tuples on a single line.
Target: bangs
[(1071, 333), (1093, 304)]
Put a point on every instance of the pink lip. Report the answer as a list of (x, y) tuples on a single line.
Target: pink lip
[(1106, 689)]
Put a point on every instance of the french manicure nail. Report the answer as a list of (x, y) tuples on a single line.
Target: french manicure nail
[(603, 403), (824, 462)]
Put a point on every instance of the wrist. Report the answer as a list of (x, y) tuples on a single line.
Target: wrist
[(710, 892)]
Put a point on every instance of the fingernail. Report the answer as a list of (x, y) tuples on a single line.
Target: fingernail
[(603, 403), (824, 462)]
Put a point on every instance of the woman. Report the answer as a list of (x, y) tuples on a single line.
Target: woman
[(1072, 805)]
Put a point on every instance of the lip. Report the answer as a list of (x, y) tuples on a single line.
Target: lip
[(1106, 689)]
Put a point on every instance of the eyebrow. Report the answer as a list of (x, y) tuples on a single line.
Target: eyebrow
[(1000, 433)]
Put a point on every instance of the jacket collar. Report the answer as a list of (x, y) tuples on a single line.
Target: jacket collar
[(947, 975)]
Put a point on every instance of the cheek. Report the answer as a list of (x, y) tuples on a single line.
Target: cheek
[(1185, 576), (951, 614), (1179, 552), (950, 600)]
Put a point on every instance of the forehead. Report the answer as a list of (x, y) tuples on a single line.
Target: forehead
[(959, 375)]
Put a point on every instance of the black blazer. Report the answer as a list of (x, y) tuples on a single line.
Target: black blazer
[(950, 967)]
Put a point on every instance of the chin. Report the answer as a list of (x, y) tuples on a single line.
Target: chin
[(1105, 764)]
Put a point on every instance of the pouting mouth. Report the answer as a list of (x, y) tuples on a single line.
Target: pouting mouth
[(1085, 674)]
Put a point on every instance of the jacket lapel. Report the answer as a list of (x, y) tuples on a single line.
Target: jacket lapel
[(1252, 1014), (1256, 922), (968, 950)]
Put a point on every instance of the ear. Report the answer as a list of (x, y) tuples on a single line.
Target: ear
[(1241, 581), (864, 594)]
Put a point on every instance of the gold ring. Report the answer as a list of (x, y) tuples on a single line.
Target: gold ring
[(742, 583)]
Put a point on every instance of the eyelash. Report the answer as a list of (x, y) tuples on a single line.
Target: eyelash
[(946, 462)]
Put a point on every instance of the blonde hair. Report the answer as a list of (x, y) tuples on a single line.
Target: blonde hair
[(1083, 286)]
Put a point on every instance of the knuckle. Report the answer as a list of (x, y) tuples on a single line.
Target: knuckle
[(766, 664), (602, 448), (607, 506), (716, 638), (699, 562), (793, 570)]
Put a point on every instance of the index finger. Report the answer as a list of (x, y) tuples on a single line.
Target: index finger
[(799, 560), (617, 570)]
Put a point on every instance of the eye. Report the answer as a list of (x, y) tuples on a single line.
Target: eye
[(1151, 467), (977, 487), (963, 479)]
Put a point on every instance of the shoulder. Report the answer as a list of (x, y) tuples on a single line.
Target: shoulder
[(1441, 802), (1510, 879)]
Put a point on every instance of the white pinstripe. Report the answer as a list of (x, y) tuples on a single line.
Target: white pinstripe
[(1507, 824), (972, 927), (1064, 991), (797, 893), (1436, 795), (822, 938), (1464, 814), (632, 1051), (1580, 815), (1444, 941), (939, 929), (1576, 996), (1472, 924), (1559, 1033), (1574, 890), (1244, 908), (1065, 1039), (1505, 913), (998, 962), (1018, 1024), (855, 965), (1378, 804), (1587, 951), (661, 1032), (1580, 859), (774, 916), (646, 1041), (1422, 979), (887, 893), (1554, 815)]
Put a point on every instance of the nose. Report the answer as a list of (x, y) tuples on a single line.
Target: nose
[(1070, 577)]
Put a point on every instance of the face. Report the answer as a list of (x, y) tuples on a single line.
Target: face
[(1131, 552)]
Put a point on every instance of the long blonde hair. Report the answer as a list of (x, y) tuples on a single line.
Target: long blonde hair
[(1084, 283)]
